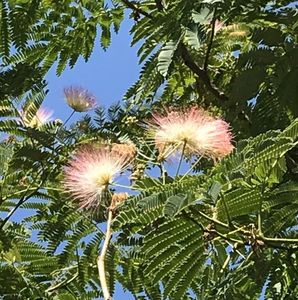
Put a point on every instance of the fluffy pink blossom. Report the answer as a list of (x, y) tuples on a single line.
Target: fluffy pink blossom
[(192, 131), (90, 172), (79, 99), (42, 116)]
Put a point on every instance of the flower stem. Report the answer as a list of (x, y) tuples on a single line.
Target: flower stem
[(191, 168), (101, 259), (181, 158), (279, 240), (124, 186), (73, 112)]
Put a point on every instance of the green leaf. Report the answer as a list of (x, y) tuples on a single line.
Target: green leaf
[(241, 90), (191, 37), (165, 57), (175, 204), (203, 17)]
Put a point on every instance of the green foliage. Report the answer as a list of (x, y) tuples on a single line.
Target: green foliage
[(188, 236)]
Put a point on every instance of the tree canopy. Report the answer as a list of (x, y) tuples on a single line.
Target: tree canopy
[(226, 228)]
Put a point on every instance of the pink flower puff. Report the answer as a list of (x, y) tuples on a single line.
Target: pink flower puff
[(79, 99), (192, 131), (42, 116), (91, 171)]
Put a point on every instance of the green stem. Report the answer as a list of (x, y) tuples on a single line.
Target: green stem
[(260, 208), (163, 174), (145, 156), (227, 238), (213, 220), (260, 223), (124, 186), (191, 168), (279, 240), (228, 259), (63, 283), (165, 155), (73, 112), (181, 158)]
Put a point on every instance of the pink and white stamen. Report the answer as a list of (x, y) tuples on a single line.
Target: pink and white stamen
[(192, 131), (91, 171), (79, 99)]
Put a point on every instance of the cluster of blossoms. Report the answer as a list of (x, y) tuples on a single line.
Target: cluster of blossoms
[(192, 131)]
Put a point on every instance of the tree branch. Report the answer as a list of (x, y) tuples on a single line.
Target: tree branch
[(22, 200), (159, 4), (202, 74), (101, 259), (135, 8), (211, 40)]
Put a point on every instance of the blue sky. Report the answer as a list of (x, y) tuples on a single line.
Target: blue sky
[(107, 74)]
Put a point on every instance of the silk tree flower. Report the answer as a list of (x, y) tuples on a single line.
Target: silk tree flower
[(192, 131), (79, 99), (128, 149), (42, 116), (91, 171)]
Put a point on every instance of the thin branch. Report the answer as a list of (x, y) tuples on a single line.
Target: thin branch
[(213, 220), (225, 236), (136, 8), (278, 240), (211, 40), (202, 74), (20, 202), (101, 258), (63, 283), (181, 158), (159, 4), (191, 168), (227, 261)]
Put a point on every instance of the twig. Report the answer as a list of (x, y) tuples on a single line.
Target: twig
[(159, 4), (213, 220), (278, 240), (181, 158), (211, 40), (63, 283), (202, 74), (228, 259), (22, 200), (101, 258), (136, 9), (191, 168), (226, 237)]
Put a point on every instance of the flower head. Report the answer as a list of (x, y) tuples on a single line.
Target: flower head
[(192, 131), (90, 172), (128, 149), (41, 117), (79, 99)]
